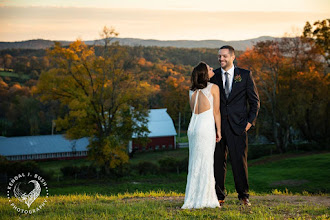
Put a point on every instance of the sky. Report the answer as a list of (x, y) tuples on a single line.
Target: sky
[(161, 20)]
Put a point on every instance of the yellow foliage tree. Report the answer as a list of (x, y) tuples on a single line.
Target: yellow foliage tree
[(106, 101)]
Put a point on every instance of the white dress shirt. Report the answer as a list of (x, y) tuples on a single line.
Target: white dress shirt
[(230, 77)]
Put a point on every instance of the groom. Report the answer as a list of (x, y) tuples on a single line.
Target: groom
[(237, 88)]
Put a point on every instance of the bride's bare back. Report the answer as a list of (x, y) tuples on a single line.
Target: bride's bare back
[(202, 105), (207, 99)]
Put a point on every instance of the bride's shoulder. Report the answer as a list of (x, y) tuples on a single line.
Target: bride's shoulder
[(211, 85), (214, 88)]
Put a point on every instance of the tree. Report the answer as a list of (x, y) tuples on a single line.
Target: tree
[(19, 111), (24, 113), (21, 65), (175, 97), (312, 105), (306, 105), (290, 83), (266, 62), (7, 60), (320, 35), (106, 101)]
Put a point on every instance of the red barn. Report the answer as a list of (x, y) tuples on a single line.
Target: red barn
[(162, 132)]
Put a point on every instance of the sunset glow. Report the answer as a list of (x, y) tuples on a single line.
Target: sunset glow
[(168, 20)]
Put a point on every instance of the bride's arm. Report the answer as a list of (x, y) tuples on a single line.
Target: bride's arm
[(191, 94), (216, 108)]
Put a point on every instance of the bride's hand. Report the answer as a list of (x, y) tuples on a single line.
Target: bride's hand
[(218, 138)]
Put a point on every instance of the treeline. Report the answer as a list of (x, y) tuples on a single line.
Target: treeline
[(168, 69), (22, 113), (32, 62), (25, 61)]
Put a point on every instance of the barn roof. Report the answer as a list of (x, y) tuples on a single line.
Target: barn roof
[(160, 124), (40, 145)]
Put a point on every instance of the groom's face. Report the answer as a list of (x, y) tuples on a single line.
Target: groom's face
[(226, 59)]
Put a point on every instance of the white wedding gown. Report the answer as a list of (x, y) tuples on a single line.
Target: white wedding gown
[(200, 189)]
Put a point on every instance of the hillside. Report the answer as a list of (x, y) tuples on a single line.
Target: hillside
[(43, 44)]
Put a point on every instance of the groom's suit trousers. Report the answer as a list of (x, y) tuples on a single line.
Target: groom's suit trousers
[(237, 146)]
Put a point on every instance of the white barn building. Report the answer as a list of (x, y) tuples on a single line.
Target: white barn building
[(45, 147)]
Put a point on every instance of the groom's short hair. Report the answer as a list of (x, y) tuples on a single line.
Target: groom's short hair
[(230, 48)]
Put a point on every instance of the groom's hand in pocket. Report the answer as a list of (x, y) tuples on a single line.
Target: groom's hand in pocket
[(248, 126)]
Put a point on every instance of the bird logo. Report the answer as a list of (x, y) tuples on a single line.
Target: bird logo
[(22, 196)]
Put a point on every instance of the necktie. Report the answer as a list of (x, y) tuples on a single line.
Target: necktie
[(227, 85)]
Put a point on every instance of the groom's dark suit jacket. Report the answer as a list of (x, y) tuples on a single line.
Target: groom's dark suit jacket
[(235, 107)]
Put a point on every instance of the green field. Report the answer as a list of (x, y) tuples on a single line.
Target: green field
[(285, 186), (183, 137), (12, 74), (296, 173)]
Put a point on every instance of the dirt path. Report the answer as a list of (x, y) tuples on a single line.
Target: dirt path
[(265, 200), (322, 200)]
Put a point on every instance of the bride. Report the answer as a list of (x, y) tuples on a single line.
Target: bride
[(202, 135)]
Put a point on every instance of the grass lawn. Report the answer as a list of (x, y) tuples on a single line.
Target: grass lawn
[(281, 187), (161, 205), (304, 173)]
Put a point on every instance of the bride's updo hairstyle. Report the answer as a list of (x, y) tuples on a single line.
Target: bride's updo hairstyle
[(199, 76)]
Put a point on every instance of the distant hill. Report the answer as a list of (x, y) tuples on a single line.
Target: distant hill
[(30, 44), (238, 45)]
